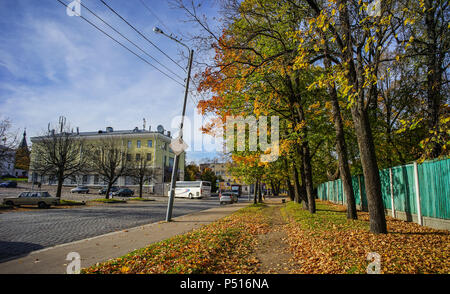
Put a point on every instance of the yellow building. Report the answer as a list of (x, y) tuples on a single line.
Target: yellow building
[(152, 145)]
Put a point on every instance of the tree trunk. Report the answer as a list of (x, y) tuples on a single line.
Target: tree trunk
[(260, 192), (297, 188), (256, 192), (291, 192), (308, 178), (434, 74), (141, 183), (108, 189), (372, 181), (302, 191), (360, 117), (341, 146), (59, 188)]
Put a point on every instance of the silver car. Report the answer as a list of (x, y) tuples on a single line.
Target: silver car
[(39, 198), (80, 189), (228, 197)]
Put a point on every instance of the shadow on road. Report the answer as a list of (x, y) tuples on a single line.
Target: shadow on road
[(13, 250)]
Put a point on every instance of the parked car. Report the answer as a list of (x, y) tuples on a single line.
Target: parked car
[(227, 197), (103, 190), (124, 192), (80, 189), (39, 198), (8, 184)]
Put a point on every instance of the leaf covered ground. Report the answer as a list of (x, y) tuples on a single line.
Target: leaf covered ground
[(325, 242), (220, 247)]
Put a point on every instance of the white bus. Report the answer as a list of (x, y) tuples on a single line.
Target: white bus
[(192, 189)]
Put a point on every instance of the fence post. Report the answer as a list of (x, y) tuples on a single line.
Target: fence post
[(360, 194), (416, 180), (392, 193)]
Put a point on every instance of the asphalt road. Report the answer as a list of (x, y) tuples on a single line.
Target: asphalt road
[(24, 231)]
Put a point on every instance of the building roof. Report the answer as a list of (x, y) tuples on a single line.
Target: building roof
[(111, 132)]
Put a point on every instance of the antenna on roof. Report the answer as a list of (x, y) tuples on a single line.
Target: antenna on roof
[(62, 123), (143, 127)]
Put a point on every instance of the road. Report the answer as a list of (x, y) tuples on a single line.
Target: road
[(24, 231)]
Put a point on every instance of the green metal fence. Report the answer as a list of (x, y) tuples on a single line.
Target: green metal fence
[(433, 182)]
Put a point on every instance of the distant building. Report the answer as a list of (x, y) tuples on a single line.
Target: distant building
[(15, 162), (22, 158), (152, 145), (221, 170), (7, 161)]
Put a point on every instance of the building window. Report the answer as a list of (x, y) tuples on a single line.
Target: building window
[(138, 156), (149, 143), (138, 143), (128, 157), (170, 161), (149, 157), (95, 179), (129, 144), (85, 179)]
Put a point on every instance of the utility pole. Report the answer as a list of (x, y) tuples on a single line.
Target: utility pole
[(177, 156)]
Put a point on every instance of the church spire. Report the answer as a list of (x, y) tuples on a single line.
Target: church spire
[(24, 144)]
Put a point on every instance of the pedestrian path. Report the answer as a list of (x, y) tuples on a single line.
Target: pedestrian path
[(52, 260)]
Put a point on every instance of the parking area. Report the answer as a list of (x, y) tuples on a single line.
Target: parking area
[(24, 231)]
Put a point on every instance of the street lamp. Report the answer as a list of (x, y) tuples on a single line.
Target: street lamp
[(177, 156)]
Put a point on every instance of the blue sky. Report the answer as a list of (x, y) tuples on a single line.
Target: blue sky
[(52, 64)]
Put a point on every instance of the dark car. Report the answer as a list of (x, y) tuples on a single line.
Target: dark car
[(103, 190), (8, 184), (124, 192)]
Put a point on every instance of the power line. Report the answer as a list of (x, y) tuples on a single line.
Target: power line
[(142, 50), (118, 42), (163, 24), (142, 35), (155, 16), (196, 101)]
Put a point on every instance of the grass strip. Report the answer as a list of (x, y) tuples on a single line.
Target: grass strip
[(103, 200), (140, 199)]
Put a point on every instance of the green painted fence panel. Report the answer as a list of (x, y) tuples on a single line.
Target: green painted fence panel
[(434, 180), (404, 190), (385, 188), (355, 186), (434, 183)]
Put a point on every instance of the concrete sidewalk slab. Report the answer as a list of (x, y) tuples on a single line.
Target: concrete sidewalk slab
[(52, 260)]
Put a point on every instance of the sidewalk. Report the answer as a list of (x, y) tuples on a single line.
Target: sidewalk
[(52, 260)]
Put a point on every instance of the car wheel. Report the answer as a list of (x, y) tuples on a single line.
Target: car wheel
[(10, 203), (42, 205)]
